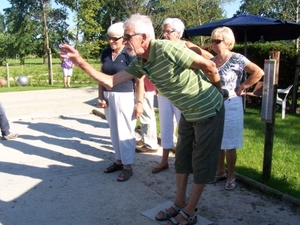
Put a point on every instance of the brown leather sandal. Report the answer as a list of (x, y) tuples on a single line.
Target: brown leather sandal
[(166, 215), (125, 175), (190, 219), (113, 168)]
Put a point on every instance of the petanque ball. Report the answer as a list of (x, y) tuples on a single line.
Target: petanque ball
[(22, 80)]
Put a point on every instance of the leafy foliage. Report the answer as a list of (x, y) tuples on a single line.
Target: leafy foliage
[(258, 52), (279, 9)]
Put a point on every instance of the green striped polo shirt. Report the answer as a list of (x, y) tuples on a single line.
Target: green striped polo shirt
[(168, 69)]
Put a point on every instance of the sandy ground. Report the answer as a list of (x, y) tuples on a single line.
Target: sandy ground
[(52, 174)]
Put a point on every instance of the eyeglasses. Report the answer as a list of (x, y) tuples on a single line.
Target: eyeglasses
[(127, 37), (168, 31), (216, 41), (113, 38)]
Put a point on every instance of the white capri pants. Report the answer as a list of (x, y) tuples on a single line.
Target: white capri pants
[(119, 115), (167, 111)]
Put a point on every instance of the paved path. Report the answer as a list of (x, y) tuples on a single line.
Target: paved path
[(53, 173)]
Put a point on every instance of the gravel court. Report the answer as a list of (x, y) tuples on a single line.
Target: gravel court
[(53, 173)]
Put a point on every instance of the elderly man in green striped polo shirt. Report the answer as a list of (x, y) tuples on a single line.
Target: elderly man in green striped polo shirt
[(179, 75)]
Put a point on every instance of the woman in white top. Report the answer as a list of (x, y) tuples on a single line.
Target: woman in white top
[(231, 67)]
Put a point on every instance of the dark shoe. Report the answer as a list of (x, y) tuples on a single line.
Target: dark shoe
[(190, 219), (113, 168), (125, 175), (166, 215), (158, 140), (159, 169), (10, 136), (172, 150), (145, 149), (98, 113), (139, 143), (218, 178)]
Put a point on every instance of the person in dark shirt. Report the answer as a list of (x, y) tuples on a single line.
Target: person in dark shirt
[(119, 103)]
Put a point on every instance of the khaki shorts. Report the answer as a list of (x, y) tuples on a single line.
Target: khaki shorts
[(198, 147)]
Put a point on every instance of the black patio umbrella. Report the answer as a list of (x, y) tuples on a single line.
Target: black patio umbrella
[(251, 28)]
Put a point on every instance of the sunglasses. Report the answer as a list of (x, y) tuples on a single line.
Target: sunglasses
[(113, 38), (127, 37), (216, 41), (168, 31)]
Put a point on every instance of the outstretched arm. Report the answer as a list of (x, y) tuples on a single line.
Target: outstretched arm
[(105, 80)]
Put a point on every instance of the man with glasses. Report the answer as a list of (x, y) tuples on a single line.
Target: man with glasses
[(177, 72)]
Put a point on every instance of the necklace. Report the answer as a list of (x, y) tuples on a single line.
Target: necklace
[(220, 60)]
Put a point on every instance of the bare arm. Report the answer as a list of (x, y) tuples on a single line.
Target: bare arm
[(256, 74), (105, 80), (198, 50), (140, 91), (101, 101), (209, 69)]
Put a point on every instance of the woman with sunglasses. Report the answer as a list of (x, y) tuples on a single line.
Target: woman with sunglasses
[(231, 67), (172, 29), (119, 104)]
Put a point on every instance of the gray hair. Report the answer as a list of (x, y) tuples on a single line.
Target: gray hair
[(176, 24), (142, 24), (116, 29)]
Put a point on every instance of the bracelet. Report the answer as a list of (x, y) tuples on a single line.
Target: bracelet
[(140, 102)]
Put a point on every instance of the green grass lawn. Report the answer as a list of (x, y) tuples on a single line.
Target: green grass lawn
[(285, 168), (286, 151), (39, 77)]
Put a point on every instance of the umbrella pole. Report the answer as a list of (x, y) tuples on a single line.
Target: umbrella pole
[(245, 41), (244, 73)]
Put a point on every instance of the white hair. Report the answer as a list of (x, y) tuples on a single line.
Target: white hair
[(116, 29), (176, 24), (142, 24)]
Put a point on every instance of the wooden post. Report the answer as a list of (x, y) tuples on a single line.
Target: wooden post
[(7, 75), (295, 85), (269, 132), (50, 71)]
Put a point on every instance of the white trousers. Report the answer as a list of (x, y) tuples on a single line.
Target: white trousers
[(148, 121), (167, 112), (119, 115)]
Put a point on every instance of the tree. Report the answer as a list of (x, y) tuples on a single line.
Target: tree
[(2, 23), (32, 22), (279, 9)]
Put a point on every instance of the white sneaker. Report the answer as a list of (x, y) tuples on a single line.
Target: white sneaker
[(10, 136)]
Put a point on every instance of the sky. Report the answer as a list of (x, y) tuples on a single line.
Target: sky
[(229, 8)]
